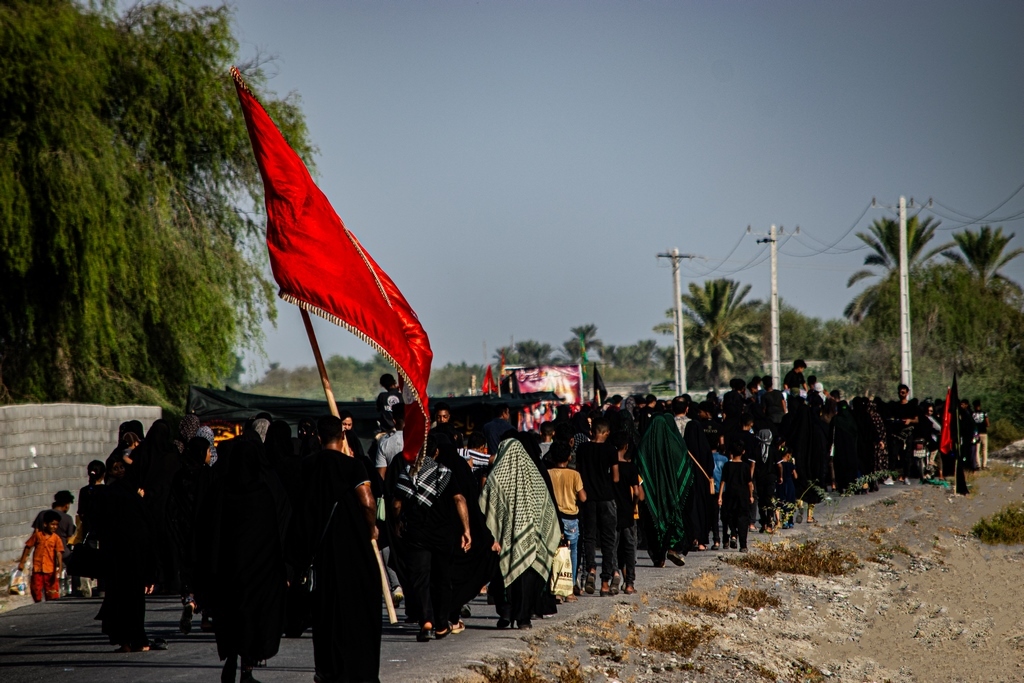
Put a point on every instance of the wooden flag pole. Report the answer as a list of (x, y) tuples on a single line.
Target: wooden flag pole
[(392, 617), (333, 405)]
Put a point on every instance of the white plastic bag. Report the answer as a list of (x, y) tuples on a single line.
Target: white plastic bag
[(18, 583), (561, 573)]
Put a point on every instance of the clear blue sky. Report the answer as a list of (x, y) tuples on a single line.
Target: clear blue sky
[(516, 166)]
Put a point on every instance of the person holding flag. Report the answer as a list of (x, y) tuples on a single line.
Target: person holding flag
[(951, 441)]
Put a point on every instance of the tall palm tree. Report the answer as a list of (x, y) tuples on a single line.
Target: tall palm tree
[(570, 352), (532, 352), (721, 329), (883, 237), (982, 252)]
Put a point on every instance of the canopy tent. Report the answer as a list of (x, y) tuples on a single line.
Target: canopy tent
[(231, 406)]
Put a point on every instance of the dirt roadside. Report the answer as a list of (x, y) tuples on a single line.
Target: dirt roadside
[(926, 602)]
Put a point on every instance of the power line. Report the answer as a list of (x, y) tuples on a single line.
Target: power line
[(984, 217), (845, 234)]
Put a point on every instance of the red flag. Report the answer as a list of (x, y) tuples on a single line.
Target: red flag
[(946, 440), (489, 386), (321, 266)]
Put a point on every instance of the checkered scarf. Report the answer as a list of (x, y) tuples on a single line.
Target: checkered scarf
[(426, 485)]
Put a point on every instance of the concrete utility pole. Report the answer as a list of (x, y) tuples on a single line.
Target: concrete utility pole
[(772, 240), (906, 352), (906, 359), (680, 378)]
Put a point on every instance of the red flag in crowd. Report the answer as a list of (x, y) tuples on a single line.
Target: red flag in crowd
[(321, 266), (489, 386), (946, 440)]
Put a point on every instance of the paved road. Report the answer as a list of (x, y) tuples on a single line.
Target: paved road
[(60, 641)]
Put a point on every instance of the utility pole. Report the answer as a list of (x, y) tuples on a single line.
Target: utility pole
[(906, 352), (906, 360), (680, 378), (772, 241)]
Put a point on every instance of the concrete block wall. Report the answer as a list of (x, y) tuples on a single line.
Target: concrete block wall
[(45, 449)]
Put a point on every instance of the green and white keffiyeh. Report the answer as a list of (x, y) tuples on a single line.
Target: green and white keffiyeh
[(520, 514)]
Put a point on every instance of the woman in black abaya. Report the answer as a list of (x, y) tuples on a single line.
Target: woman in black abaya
[(154, 463), (241, 554), (701, 504), (805, 438), (845, 457), (128, 561)]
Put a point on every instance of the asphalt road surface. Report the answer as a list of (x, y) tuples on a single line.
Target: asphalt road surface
[(60, 641)]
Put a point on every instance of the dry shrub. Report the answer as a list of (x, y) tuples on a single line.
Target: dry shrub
[(810, 559), (681, 638), (1005, 526), (528, 671), (705, 594), (524, 671), (755, 598), (570, 672)]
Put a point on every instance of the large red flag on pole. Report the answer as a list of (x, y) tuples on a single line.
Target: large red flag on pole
[(321, 267)]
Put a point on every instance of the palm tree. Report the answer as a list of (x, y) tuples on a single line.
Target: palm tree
[(884, 240), (721, 329), (571, 350), (982, 253), (530, 352)]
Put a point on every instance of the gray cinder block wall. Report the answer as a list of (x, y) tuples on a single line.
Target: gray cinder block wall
[(45, 449)]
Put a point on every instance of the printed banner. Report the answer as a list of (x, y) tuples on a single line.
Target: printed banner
[(566, 381)]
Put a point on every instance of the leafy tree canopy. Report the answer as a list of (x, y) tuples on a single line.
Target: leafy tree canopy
[(131, 255)]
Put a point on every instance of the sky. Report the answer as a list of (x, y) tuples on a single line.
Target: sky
[(516, 166)]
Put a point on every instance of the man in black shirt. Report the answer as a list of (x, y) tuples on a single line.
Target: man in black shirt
[(386, 400), (794, 380), (428, 512), (598, 464), (903, 418)]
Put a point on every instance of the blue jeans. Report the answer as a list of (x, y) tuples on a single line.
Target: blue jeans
[(571, 529)]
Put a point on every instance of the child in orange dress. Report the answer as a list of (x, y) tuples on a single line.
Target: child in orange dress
[(46, 560)]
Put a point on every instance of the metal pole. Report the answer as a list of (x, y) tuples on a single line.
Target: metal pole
[(776, 372), (680, 349), (906, 365)]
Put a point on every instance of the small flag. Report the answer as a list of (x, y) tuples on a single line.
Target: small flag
[(583, 357), (600, 392), (489, 387)]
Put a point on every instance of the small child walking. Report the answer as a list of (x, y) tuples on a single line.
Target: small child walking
[(628, 493), (736, 495), (47, 563), (786, 489)]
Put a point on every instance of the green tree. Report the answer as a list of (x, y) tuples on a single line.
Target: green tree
[(131, 258), (570, 350), (883, 237), (984, 254), (530, 352), (722, 331)]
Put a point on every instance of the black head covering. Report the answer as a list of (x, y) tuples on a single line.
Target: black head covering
[(195, 452), (279, 442)]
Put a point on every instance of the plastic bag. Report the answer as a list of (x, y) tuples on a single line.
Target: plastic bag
[(561, 573), (18, 583)]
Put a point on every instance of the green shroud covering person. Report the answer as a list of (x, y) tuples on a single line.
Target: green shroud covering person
[(667, 475)]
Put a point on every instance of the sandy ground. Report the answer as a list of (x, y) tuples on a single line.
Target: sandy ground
[(927, 602)]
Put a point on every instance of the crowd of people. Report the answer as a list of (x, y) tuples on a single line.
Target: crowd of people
[(266, 535)]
